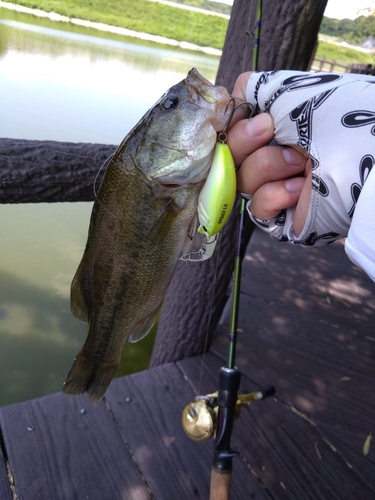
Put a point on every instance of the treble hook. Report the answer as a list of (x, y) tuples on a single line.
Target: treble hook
[(222, 137)]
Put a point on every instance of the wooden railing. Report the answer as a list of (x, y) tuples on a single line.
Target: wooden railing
[(49, 171), (325, 65)]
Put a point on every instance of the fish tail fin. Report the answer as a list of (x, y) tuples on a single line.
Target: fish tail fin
[(88, 377)]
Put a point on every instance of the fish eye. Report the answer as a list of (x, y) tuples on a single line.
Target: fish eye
[(170, 102)]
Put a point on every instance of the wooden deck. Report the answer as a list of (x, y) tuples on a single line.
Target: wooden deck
[(306, 325)]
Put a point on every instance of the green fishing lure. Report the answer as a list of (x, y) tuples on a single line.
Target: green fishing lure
[(217, 197)]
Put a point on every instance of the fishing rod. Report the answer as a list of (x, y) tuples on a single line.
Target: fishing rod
[(213, 414)]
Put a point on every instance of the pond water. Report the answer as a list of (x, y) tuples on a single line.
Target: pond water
[(65, 83)]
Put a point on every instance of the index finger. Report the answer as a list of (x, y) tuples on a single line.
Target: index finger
[(246, 136)]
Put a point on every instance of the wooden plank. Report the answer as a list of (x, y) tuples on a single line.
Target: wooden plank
[(65, 448), (350, 443), (317, 378), (174, 466), (328, 385), (5, 491), (292, 458), (319, 284), (316, 366), (290, 455)]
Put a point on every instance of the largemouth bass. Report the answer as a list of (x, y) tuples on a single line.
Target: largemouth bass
[(141, 222)]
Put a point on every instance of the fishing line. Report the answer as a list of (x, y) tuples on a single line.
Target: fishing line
[(171, 53), (222, 137), (252, 35), (210, 314), (105, 164), (179, 48)]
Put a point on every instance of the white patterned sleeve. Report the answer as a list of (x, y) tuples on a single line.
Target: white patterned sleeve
[(360, 243), (332, 116)]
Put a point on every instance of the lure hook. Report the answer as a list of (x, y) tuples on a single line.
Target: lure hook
[(222, 137)]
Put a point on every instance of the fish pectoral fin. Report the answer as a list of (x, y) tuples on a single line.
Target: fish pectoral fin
[(77, 299), (200, 248), (193, 227), (193, 240), (144, 326)]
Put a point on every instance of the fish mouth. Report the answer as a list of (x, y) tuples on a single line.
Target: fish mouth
[(207, 96), (171, 186)]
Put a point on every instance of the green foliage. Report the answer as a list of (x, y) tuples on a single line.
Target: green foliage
[(144, 16), (352, 31)]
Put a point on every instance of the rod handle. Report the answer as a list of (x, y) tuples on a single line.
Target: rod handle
[(220, 484)]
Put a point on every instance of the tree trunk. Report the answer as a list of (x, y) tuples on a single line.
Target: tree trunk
[(198, 292), (289, 31), (49, 171)]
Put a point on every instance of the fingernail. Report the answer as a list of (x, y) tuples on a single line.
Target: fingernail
[(295, 184), (258, 125), (293, 157)]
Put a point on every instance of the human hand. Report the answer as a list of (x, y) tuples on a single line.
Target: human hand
[(323, 124), (276, 177), (322, 173)]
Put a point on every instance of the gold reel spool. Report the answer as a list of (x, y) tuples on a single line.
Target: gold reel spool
[(199, 420)]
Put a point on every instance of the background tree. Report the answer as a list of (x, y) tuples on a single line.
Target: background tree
[(353, 31), (198, 292)]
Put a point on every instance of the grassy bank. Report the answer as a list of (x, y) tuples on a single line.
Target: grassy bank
[(342, 54), (144, 16)]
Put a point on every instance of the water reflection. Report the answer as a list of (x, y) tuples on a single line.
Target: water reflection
[(65, 83), (37, 340), (73, 84), (40, 248)]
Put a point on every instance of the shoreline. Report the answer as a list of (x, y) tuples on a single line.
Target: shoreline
[(194, 9), (111, 29)]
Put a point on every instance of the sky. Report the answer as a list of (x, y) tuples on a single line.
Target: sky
[(340, 9)]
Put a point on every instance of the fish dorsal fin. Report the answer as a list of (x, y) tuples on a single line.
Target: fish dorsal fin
[(143, 327), (77, 299)]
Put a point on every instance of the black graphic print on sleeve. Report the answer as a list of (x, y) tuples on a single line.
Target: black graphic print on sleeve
[(303, 117), (359, 118), (295, 83), (365, 166), (315, 111), (313, 238)]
